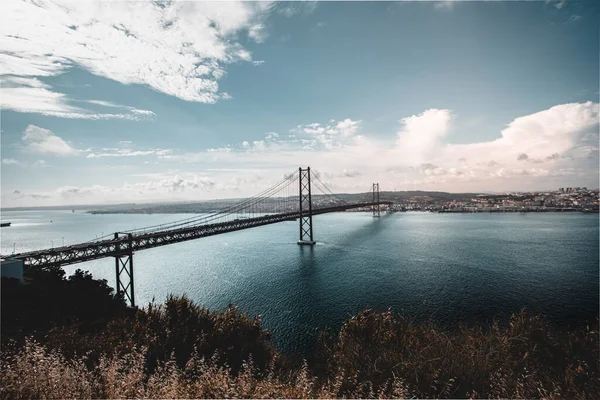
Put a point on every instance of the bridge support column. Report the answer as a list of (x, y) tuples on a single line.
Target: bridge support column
[(376, 206), (306, 229), (124, 270)]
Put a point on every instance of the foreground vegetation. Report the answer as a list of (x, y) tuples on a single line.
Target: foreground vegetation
[(95, 347)]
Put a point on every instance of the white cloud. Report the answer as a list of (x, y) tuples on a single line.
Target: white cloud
[(560, 144), (10, 161), (330, 135), (36, 164), (108, 152), (177, 183), (30, 95), (257, 63), (346, 127), (134, 112), (288, 11), (43, 141), (154, 189), (103, 103), (556, 130), (219, 150), (165, 185), (444, 5), (309, 6), (421, 134), (257, 33), (177, 48)]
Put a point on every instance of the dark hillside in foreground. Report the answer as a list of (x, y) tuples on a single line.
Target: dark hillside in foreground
[(75, 339)]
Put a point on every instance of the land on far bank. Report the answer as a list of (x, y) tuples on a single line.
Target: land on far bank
[(200, 206), (570, 199), (564, 199)]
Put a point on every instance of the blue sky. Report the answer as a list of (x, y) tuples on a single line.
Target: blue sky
[(114, 102)]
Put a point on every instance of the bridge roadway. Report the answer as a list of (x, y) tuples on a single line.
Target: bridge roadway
[(66, 255)]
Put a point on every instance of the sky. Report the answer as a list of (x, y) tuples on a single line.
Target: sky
[(114, 101)]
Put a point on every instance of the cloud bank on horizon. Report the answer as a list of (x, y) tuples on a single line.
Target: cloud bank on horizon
[(159, 101)]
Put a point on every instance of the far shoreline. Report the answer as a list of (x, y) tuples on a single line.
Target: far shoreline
[(567, 210)]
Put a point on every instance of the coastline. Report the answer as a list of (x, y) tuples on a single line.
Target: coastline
[(547, 210)]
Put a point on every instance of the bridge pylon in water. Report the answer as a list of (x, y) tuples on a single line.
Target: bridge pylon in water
[(124, 269), (376, 206), (306, 226)]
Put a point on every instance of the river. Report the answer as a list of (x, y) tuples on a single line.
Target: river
[(449, 267)]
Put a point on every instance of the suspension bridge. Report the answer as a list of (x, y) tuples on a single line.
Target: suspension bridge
[(288, 200)]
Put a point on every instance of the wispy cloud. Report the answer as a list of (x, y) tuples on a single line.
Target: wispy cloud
[(30, 95), (129, 153), (288, 10), (258, 33), (309, 6), (10, 161), (151, 190), (177, 48), (445, 5), (291, 8), (40, 164), (558, 4), (35, 164), (169, 184)]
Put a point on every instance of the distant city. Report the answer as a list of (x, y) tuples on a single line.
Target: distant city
[(561, 200), (564, 199)]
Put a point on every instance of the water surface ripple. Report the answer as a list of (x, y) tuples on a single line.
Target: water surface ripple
[(451, 267)]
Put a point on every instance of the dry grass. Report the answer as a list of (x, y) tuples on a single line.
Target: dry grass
[(35, 373), (181, 350)]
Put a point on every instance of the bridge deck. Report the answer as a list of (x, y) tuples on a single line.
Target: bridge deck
[(114, 247)]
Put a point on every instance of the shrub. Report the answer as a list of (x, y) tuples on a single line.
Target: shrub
[(95, 347), (526, 359)]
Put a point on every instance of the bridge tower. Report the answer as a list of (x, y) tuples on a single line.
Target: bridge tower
[(306, 229), (124, 268), (376, 207)]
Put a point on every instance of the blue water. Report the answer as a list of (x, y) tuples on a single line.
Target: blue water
[(449, 267)]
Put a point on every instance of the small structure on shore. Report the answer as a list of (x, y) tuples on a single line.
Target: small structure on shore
[(12, 268)]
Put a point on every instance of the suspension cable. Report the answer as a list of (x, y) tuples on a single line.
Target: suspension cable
[(246, 204)]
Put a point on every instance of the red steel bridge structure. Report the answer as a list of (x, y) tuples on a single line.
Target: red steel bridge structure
[(288, 200)]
